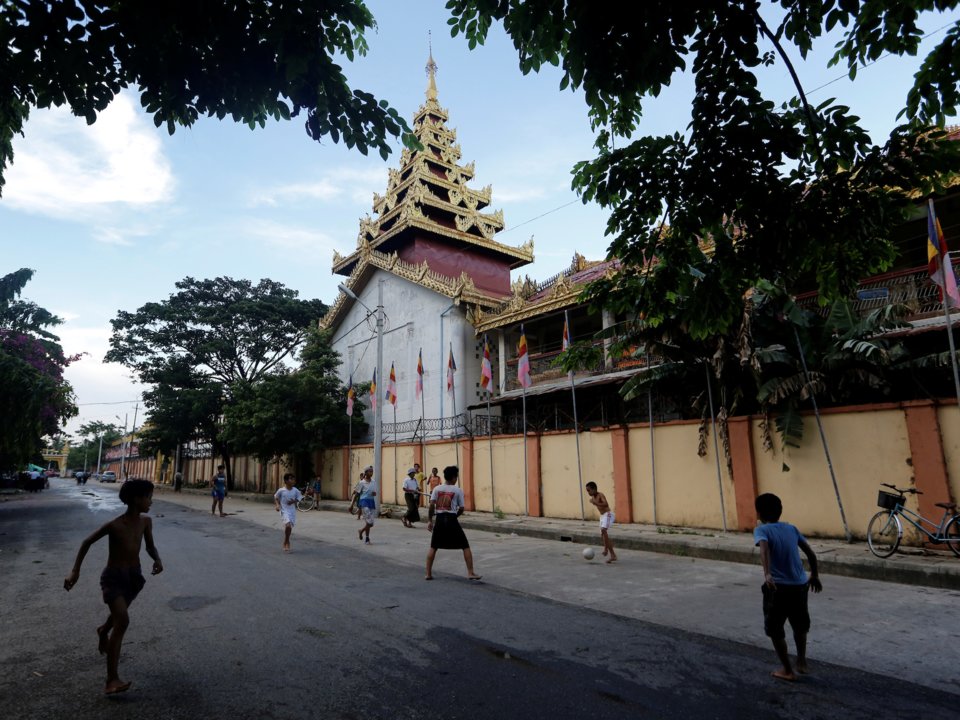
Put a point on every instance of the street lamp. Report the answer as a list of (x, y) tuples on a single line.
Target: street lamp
[(378, 410), (123, 442)]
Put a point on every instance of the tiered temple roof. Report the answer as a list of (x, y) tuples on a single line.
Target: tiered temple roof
[(430, 194)]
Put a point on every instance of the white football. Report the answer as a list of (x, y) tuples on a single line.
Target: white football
[(588, 553)]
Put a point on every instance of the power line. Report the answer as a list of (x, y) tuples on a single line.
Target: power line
[(874, 62), (119, 402), (502, 232)]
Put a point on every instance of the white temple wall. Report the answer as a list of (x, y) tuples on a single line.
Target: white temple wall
[(415, 318)]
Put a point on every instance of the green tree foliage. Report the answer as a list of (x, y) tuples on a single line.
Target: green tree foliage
[(748, 190), (294, 414), (203, 348), (252, 60), (85, 453), (35, 399)]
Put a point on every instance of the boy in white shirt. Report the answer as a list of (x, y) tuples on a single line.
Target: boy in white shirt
[(285, 501)]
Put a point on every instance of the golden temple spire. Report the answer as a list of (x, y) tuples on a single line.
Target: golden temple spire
[(431, 72)]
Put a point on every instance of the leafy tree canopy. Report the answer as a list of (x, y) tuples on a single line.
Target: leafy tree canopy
[(252, 60), (748, 189), (294, 414), (204, 347), (35, 399)]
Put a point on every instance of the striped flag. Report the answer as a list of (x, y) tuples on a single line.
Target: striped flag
[(938, 260), (420, 374), (486, 368), (392, 387), (566, 336), (523, 363), (373, 391), (350, 396), (451, 371)]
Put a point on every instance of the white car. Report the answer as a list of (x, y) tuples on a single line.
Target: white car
[(108, 476)]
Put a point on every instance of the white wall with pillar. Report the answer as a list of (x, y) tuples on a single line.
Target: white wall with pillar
[(416, 318)]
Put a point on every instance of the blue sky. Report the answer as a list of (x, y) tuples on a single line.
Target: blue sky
[(112, 215)]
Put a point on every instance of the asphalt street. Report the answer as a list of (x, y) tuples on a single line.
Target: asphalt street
[(336, 629)]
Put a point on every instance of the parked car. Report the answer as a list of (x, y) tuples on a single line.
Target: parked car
[(108, 476)]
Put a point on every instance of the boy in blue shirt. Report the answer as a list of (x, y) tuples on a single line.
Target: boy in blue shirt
[(785, 584)]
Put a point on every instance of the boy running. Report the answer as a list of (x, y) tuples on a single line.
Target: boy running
[(785, 584), (599, 500), (122, 580), (285, 501)]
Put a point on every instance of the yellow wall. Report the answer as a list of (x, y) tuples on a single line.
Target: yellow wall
[(866, 449), (949, 419), (687, 490), (563, 496)]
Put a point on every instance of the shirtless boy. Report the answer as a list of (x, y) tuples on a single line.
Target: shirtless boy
[(122, 580), (599, 500)]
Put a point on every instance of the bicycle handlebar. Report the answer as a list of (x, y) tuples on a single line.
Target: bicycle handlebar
[(903, 491)]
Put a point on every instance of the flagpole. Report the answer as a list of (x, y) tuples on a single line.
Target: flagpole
[(396, 492), (716, 446), (493, 498), (953, 350), (453, 395), (653, 460), (576, 423), (423, 433), (526, 488)]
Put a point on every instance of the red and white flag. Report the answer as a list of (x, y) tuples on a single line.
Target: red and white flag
[(420, 374), (451, 371), (523, 364), (486, 368)]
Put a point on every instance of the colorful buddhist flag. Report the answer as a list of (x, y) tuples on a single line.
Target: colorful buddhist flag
[(420, 374), (451, 371), (350, 396), (373, 391), (566, 336), (392, 387), (486, 368), (523, 363), (938, 260)]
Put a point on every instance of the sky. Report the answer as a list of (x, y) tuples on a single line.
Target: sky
[(112, 215)]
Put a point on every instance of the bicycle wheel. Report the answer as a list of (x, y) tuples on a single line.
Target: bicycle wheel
[(884, 534), (952, 535), (306, 503)]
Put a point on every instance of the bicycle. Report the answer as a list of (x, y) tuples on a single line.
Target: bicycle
[(310, 499), (885, 531)]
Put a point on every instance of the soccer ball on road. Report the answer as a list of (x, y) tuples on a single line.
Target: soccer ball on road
[(588, 553)]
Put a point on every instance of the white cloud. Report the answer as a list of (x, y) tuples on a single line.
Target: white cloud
[(288, 237), (358, 184), (68, 169)]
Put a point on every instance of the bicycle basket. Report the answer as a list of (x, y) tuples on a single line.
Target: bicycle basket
[(889, 501)]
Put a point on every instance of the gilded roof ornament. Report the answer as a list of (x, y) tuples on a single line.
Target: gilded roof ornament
[(431, 76), (527, 247)]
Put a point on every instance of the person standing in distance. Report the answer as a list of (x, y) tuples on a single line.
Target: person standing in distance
[(219, 491), (367, 502), (446, 503)]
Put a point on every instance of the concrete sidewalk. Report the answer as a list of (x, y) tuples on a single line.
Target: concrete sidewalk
[(910, 565)]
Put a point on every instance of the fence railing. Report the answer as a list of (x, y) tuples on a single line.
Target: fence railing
[(912, 288)]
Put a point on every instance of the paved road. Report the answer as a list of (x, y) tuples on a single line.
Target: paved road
[(234, 628)]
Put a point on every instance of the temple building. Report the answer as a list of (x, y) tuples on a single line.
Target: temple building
[(446, 289)]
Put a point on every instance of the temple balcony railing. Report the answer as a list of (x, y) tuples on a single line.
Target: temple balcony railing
[(912, 288), (542, 368)]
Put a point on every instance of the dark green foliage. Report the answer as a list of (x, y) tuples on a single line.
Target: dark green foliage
[(204, 349), (295, 413), (747, 190), (34, 397), (251, 60)]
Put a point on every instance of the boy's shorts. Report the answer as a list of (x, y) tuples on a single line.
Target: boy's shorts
[(369, 514), (606, 520), (125, 582), (787, 602)]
